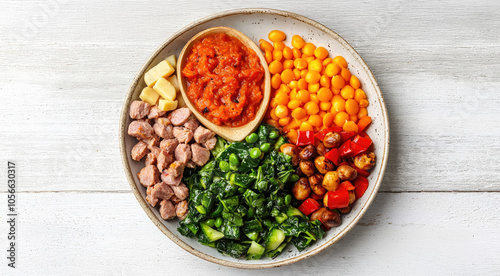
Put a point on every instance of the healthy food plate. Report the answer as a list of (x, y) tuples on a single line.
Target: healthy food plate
[(307, 171)]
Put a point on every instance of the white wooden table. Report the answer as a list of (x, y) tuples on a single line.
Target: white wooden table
[(65, 67)]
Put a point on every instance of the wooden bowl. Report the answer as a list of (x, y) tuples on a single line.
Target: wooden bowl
[(227, 132)]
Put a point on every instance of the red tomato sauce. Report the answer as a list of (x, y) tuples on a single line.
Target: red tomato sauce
[(225, 80)]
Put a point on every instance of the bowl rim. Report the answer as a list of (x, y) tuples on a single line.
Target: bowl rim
[(163, 228)]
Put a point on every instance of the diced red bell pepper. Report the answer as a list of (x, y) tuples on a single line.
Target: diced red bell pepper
[(348, 185), (338, 199), (346, 135), (305, 138), (360, 184), (308, 206), (316, 197), (362, 172), (362, 144), (321, 134), (357, 149), (345, 150), (334, 156)]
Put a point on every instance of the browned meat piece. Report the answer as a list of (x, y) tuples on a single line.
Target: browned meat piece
[(181, 191), (158, 191), (163, 121), (149, 175), (154, 141), (183, 153), (169, 145), (192, 124), (139, 151), (175, 169), (156, 151), (169, 179), (190, 164), (181, 209), (140, 130), (210, 143), (184, 135), (199, 154), (174, 198), (150, 159), (167, 209), (139, 109), (164, 131), (155, 112), (180, 116), (163, 160), (202, 134)]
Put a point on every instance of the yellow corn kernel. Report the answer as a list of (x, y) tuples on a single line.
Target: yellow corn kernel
[(302, 83), (312, 77), (346, 74), (288, 64), (293, 104), (341, 118), (328, 119), (298, 42), (363, 103), (315, 65), (281, 98), (279, 46), (354, 82), (277, 55), (313, 87), (292, 136), (275, 67), (338, 103), (325, 81), (359, 94), (315, 120), (276, 81), (347, 92), (287, 53), (362, 112), (266, 46), (351, 107), (325, 94), (350, 126), (269, 56), (276, 35), (299, 113), (305, 126), (308, 49), (296, 53), (303, 95), (281, 111), (314, 98), (284, 121), (325, 106), (287, 76), (332, 70), (327, 61), (321, 53), (311, 108), (300, 63), (340, 61), (338, 82)]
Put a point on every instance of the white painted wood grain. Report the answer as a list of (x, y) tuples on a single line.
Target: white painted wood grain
[(108, 234)]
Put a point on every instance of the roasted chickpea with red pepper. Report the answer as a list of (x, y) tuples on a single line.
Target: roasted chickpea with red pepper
[(365, 161), (323, 165), (301, 189), (331, 181), (321, 149), (352, 197), (345, 210), (307, 167), (316, 183), (330, 219), (291, 150), (307, 153), (332, 140), (318, 213), (347, 173)]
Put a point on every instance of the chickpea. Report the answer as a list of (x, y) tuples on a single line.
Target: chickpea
[(352, 197), (323, 165), (307, 153), (345, 210), (301, 189), (316, 181), (318, 213), (332, 140), (347, 173), (365, 161), (307, 167), (331, 181), (291, 150), (331, 219), (321, 149)]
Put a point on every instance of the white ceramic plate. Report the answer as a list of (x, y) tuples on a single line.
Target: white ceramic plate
[(256, 24)]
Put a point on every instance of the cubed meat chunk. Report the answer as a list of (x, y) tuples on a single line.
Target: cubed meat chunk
[(192, 124), (176, 168), (163, 160), (169, 145), (139, 151), (199, 154), (190, 164), (164, 131), (181, 191), (149, 175), (183, 153), (210, 143), (139, 109), (163, 121), (184, 135), (180, 116), (201, 135), (150, 159), (158, 191), (181, 209), (154, 141), (167, 209), (156, 151), (174, 198), (155, 112), (140, 130), (170, 180)]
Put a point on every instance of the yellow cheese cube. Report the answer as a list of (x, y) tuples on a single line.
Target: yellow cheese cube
[(173, 80), (167, 105), (161, 70), (172, 60), (165, 89), (149, 95)]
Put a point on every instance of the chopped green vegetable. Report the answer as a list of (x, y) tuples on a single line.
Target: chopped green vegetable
[(255, 251), (211, 233), (274, 239)]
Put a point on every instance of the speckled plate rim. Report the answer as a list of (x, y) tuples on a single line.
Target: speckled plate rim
[(181, 243)]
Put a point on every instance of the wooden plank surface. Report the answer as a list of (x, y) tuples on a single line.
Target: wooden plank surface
[(65, 67)]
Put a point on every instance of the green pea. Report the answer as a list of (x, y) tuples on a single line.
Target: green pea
[(218, 222), (234, 160), (201, 209), (224, 166), (252, 138), (255, 153), (266, 147), (294, 178), (274, 134), (210, 222), (288, 199)]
